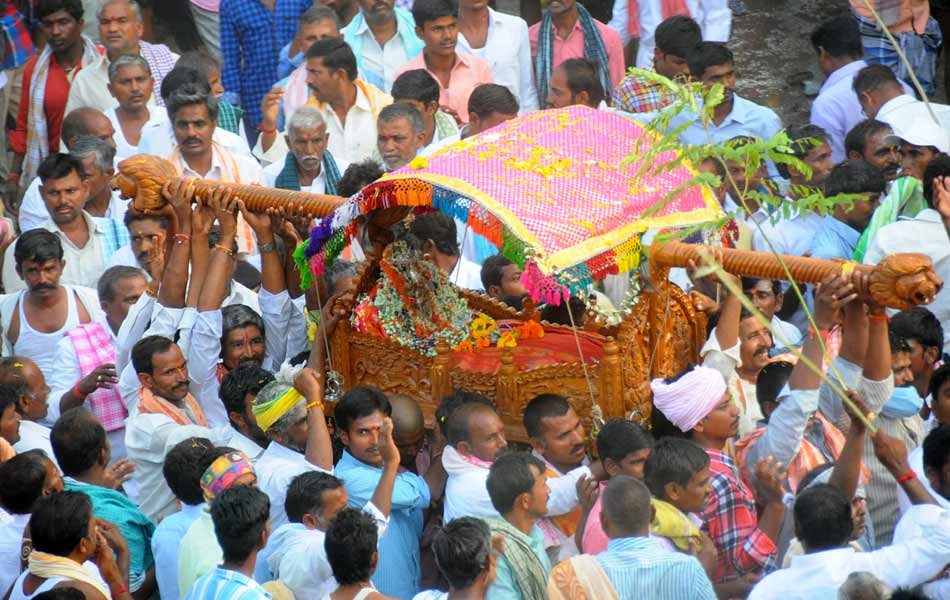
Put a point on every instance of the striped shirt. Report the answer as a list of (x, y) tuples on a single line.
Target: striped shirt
[(640, 568), (224, 584)]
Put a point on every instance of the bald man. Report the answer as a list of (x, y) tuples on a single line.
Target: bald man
[(408, 430), (82, 121)]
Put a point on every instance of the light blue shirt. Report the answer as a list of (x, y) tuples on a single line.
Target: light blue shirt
[(287, 63), (224, 584), (165, 543), (398, 571), (834, 239), (639, 568), (506, 586)]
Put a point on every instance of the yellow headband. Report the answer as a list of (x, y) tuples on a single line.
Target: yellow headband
[(268, 414)]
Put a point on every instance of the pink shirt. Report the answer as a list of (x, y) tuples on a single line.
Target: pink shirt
[(208, 5), (573, 47), (468, 73), (594, 540)]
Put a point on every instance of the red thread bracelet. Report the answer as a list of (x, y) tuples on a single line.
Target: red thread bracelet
[(77, 393), (906, 477)]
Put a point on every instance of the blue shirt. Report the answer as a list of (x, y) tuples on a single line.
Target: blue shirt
[(505, 586), (834, 239), (165, 543), (224, 584), (251, 39), (638, 568), (287, 63), (398, 571)]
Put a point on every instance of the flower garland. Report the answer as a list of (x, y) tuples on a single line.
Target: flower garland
[(417, 306), (485, 333)]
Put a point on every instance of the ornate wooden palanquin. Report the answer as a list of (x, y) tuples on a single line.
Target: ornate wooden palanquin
[(659, 335)]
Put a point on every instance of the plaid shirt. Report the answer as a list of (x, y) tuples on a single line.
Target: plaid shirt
[(229, 117), (19, 44), (116, 235), (732, 523), (635, 94), (251, 39)]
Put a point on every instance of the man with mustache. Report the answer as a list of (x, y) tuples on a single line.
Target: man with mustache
[(575, 82), (130, 83), (870, 140), (309, 166), (36, 318), (456, 73), (557, 437), (383, 38), (346, 10), (400, 135), (120, 31)]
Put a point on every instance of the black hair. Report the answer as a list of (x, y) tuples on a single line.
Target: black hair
[(184, 464), (626, 503), (489, 98), (105, 287), (462, 551), (45, 8), (131, 216), (61, 593), (240, 514), (60, 521), (619, 438), (244, 379), (59, 165), (839, 37), (10, 394), (897, 343), (190, 94), (457, 421), (509, 477), (940, 376), (857, 139), (402, 110), (937, 448), (813, 474), (873, 77), (566, 313), (454, 400), (673, 460), (305, 494), (938, 167), (438, 227), (493, 270), (350, 543), (855, 176), (918, 323), (359, 402), (145, 349), (822, 518), (357, 176), (335, 54), (541, 407), (772, 378), (677, 36), (23, 478), (418, 85), (424, 11), (78, 440), (901, 593), (37, 245), (750, 282), (181, 76), (582, 76), (802, 140), (707, 54)]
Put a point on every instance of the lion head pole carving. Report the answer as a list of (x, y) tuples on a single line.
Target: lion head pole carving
[(899, 281), (142, 177)]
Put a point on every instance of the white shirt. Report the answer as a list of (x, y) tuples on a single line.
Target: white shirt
[(158, 139), (909, 563), (917, 523), (508, 54), (33, 211), (123, 149), (275, 469), (385, 61), (794, 236), (892, 107), (90, 87), (165, 543), (916, 461), (11, 539), (354, 140), (249, 170), (34, 436), (924, 233), (713, 17), (467, 275), (270, 172)]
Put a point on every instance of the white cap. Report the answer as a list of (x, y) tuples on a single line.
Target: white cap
[(913, 124)]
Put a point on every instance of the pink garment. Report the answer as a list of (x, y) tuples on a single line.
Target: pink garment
[(671, 8), (688, 400), (595, 540), (468, 73), (94, 347), (573, 47), (900, 16), (208, 5), (296, 91)]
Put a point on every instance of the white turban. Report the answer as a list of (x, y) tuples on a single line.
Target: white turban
[(688, 400)]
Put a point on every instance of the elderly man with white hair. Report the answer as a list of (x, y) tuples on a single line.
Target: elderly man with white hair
[(309, 166)]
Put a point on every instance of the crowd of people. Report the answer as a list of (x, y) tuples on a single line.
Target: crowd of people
[(163, 428)]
